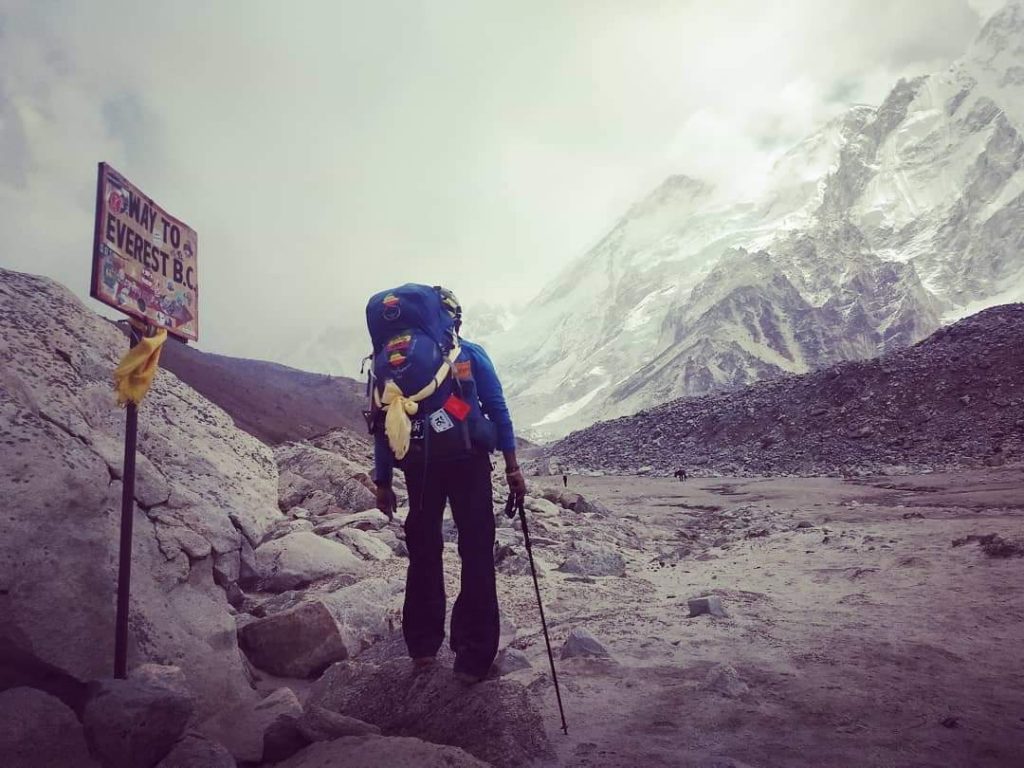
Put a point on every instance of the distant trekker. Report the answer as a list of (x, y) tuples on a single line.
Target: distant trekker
[(565, 481), (437, 413)]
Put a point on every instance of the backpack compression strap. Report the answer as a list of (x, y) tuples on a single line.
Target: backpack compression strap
[(399, 407)]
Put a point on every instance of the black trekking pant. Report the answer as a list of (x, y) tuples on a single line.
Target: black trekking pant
[(466, 485)]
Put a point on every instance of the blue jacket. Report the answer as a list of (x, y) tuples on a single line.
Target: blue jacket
[(492, 403)]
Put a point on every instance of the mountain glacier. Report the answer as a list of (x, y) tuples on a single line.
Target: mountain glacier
[(871, 233)]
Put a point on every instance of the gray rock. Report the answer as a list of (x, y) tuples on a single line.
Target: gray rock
[(165, 676), (227, 568), (512, 560), (371, 520), (248, 571), (377, 751), (282, 739), (511, 660), (586, 559), (496, 720), (235, 596), (242, 729), (22, 669), (318, 480), (135, 722), (298, 642), (283, 527), (563, 498), (391, 539), (508, 630), (39, 731), (319, 724), (709, 604), (542, 506), (724, 680), (366, 545), (204, 487), (580, 643), (299, 558), (507, 537), (366, 611), (196, 751), (302, 635), (721, 762)]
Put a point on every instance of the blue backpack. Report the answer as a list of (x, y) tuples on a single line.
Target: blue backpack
[(413, 334)]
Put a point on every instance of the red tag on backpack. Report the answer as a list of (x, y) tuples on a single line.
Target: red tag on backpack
[(457, 407)]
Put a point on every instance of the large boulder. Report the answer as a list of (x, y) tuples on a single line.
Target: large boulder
[(318, 479), (496, 720), (39, 731), (298, 642), (203, 488), (135, 722), (288, 734), (242, 729), (300, 558), (366, 611), (20, 668), (368, 546), (301, 640), (319, 724), (196, 751), (377, 751)]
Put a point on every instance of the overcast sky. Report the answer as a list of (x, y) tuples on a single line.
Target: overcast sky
[(325, 150)]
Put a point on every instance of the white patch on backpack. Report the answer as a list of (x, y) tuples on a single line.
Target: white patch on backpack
[(440, 421)]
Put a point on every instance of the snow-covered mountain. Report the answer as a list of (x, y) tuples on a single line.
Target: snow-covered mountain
[(870, 233)]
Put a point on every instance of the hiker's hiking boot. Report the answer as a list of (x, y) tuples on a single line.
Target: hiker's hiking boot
[(467, 678)]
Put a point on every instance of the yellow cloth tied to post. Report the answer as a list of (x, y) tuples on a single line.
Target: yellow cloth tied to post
[(399, 407), (135, 372)]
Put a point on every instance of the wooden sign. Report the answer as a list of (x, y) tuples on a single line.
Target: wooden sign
[(144, 259)]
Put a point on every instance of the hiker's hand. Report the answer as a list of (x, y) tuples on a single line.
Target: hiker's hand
[(516, 485), (386, 501)]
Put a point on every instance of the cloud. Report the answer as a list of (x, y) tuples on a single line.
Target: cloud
[(324, 150)]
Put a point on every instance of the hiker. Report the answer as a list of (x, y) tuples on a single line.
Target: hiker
[(565, 481), (438, 412)]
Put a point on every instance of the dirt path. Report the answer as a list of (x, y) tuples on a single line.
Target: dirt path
[(865, 639)]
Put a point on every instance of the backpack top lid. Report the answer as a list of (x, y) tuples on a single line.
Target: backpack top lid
[(409, 307)]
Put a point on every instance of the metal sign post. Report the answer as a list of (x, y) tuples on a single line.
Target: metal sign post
[(144, 263), (124, 567)]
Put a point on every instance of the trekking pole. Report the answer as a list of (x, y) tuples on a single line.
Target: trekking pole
[(510, 509)]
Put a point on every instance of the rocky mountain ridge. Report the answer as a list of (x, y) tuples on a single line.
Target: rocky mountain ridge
[(955, 399), (869, 234), (272, 402)]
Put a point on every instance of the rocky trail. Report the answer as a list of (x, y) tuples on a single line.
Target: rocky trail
[(857, 634)]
